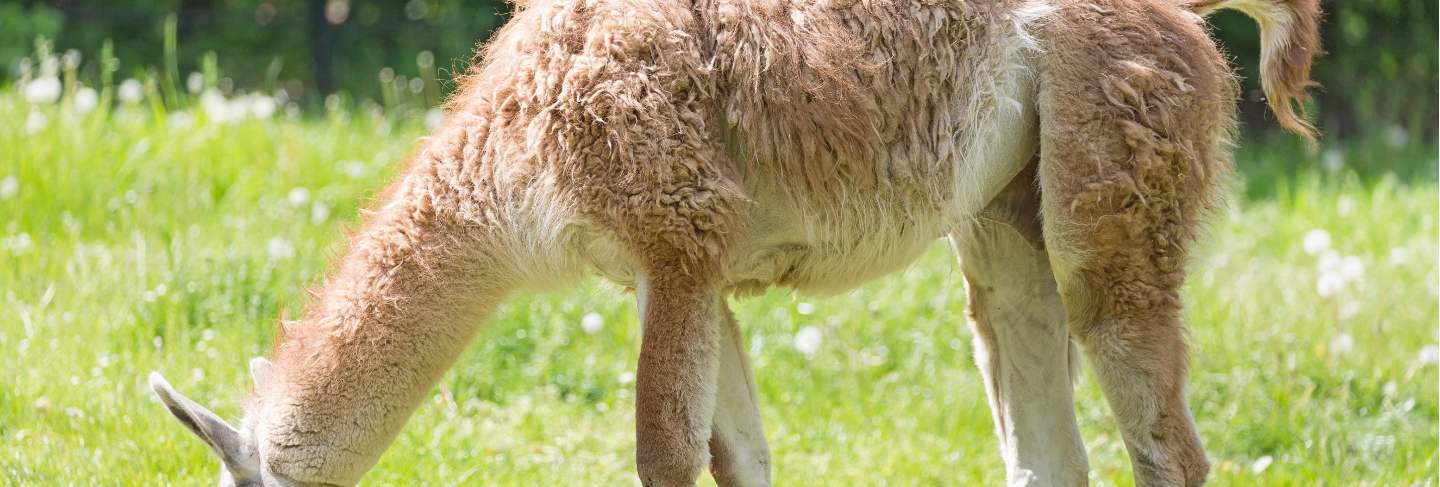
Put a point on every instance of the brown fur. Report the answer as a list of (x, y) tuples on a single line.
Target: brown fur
[(692, 151)]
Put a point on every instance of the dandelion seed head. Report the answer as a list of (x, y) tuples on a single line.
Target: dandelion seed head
[(1397, 136), (130, 91), (85, 99), (1316, 241), (9, 187), (1342, 344), (35, 122), (592, 323), (1332, 160), (298, 195), (433, 118), (807, 340), (43, 90), (195, 82), (319, 213), (1345, 205), (1329, 284), (279, 248), (261, 106), (1261, 464), (1352, 268), (1429, 355)]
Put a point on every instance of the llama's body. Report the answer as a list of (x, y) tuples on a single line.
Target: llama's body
[(697, 151), (841, 160)]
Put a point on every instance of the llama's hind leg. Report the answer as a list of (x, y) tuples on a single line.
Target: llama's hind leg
[(1021, 343), (1134, 106), (739, 455)]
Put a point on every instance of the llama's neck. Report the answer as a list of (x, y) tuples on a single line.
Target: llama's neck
[(399, 308)]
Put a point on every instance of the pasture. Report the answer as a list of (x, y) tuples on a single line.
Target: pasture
[(139, 239)]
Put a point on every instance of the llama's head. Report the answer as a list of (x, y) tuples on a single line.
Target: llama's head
[(240, 455)]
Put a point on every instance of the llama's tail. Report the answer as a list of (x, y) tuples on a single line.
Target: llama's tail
[(1289, 37)]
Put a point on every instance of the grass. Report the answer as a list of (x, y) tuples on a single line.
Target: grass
[(129, 243)]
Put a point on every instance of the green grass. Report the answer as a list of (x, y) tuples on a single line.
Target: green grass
[(129, 244)]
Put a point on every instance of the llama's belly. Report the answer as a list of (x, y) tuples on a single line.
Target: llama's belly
[(799, 249), (834, 249)]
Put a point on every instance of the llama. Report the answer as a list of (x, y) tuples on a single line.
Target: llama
[(691, 151)]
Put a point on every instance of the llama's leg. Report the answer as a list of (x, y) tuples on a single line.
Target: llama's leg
[(1135, 105), (740, 456), (1021, 343), (675, 382)]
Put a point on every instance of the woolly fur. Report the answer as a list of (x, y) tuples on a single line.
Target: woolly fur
[(695, 150)]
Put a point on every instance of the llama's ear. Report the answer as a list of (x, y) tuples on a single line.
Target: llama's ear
[(260, 369), (221, 437)]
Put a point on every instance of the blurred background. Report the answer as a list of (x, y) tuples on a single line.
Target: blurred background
[(1378, 72)]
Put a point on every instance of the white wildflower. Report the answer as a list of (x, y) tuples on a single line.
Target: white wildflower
[(18, 244), (592, 323), (216, 107), (195, 82), (9, 187), (180, 120), (433, 118), (1332, 160), (279, 248), (261, 106), (35, 122), (85, 99), (1261, 464), (1352, 268), (319, 213), (1429, 355), (1397, 136), (1398, 256), (1345, 205), (804, 308), (1342, 344), (298, 196), (807, 340), (71, 59), (1316, 241), (1329, 284), (130, 91), (1350, 308), (354, 169), (43, 90), (627, 377), (1329, 261)]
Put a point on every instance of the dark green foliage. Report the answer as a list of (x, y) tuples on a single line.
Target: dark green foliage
[(1378, 74), (1378, 71)]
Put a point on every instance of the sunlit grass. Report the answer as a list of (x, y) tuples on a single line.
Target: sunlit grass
[(134, 240)]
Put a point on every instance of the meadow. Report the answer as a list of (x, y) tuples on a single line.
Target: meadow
[(138, 238)]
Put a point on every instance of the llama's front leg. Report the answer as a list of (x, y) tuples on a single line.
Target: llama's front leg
[(676, 380), (741, 458)]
